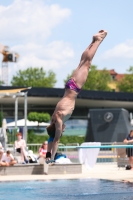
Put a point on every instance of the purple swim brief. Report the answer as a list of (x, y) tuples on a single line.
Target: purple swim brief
[(70, 84)]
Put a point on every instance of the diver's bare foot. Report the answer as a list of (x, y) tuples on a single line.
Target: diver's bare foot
[(100, 36)]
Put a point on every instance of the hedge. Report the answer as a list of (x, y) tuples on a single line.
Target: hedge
[(33, 138)]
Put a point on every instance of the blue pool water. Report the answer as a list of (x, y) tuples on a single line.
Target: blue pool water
[(83, 189)]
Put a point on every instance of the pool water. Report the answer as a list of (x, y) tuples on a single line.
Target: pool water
[(81, 189)]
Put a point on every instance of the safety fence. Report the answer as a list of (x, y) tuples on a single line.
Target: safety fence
[(34, 147), (118, 153)]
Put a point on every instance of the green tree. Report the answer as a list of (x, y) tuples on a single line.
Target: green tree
[(33, 138), (1, 118), (96, 80), (34, 77), (126, 83), (68, 77), (1, 82), (39, 117)]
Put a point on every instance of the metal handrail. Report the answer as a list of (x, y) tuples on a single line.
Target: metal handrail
[(96, 146)]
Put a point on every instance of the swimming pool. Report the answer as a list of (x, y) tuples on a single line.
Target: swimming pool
[(82, 189)]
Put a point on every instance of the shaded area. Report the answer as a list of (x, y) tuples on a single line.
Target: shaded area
[(86, 94)]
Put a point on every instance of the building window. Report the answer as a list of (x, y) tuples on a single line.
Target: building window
[(113, 77)]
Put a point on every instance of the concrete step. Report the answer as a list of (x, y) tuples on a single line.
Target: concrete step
[(28, 169)]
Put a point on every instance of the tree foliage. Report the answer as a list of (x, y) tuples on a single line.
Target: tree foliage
[(34, 77), (2, 82), (126, 83), (96, 80), (33, 138), (39, 117), (1, 118)]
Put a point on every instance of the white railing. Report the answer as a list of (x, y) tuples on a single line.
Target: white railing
[(108, 153), (34, 147)]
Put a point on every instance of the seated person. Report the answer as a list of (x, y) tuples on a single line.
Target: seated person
[(42, 152), (7, 159), (1, 146), (20, 146), (1, 153)]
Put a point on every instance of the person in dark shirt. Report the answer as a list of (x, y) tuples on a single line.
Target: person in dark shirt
[(129, 151)]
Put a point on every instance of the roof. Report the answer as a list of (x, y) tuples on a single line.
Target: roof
[(119, 76), (84, 94), (11, 90), (112, 72)]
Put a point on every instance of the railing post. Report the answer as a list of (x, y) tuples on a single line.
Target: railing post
[(25, 116), (16, 111)]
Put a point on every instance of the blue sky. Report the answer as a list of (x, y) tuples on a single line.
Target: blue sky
[(54, 33)]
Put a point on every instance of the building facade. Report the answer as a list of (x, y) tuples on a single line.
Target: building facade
[(45, 100)]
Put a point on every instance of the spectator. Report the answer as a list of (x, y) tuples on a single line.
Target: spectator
[(129, 151), (7, 159), (42, 152), (1, 146), (1, 153), (20, 147)]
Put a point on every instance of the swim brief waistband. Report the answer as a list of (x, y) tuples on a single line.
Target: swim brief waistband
[(72, 85)]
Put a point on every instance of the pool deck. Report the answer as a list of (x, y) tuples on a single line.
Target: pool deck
[(100, 171)]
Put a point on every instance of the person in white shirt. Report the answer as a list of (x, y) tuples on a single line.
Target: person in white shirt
[(6, 159), (20, 146), (1, 146), (1, 153)]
